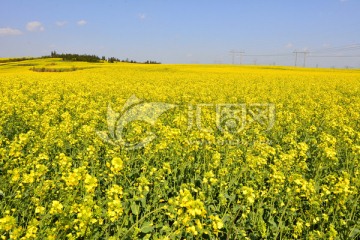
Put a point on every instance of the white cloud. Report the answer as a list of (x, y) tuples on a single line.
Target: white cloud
[(142, 16), (9, 31), (61, 23), (289, 45), (35, 26), (81, 22)]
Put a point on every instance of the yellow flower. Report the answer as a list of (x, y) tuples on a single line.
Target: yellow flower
[(114, 210), (72, 179), (192, 230), (56, 207), (115, 191), (249, 194), (39, 210), (217, 224), (7, 223), (90, 183), (116, 165)]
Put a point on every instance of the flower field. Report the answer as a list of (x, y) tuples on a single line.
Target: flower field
[(288, 169)]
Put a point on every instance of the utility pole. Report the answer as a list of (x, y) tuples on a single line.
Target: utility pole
[(296, 53), (236, 54), (305, 58), (296, 57), (232, 52), (241, 55)]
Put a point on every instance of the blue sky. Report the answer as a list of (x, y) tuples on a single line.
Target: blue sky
[(201, 31)]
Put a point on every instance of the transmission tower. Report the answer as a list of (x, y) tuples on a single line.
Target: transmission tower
[(296, 57), (234, 54)]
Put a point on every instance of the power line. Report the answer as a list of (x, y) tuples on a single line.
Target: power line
[(336, 56), (296, 57), (236, 53), (338, 49), (268, 55)]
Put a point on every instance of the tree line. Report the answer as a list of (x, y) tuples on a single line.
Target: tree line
[(94, 58), (75, 57)]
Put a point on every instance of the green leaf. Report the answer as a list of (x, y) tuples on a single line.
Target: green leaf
[(135, 209), (143, 202), (272, 222), (147, 227)]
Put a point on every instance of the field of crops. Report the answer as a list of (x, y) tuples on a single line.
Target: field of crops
[(137, 151)]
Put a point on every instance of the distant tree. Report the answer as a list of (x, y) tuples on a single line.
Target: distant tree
[(76, 57), (53, 54), (93, 58), (113, 59), (151, 62)]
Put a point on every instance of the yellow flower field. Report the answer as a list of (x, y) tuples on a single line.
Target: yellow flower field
[(285, 166)]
